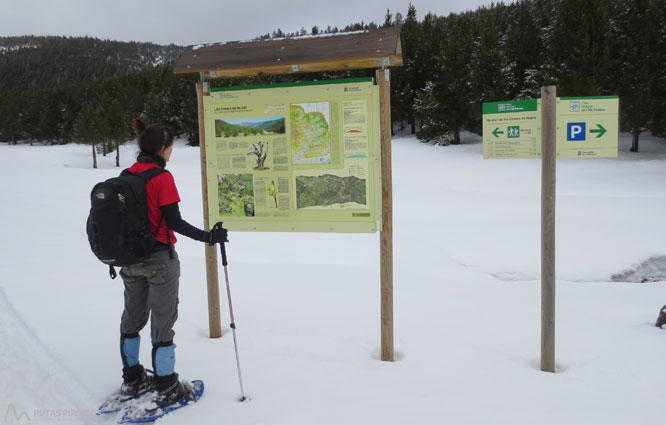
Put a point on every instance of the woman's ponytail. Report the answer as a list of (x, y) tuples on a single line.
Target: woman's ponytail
[(138, 126), (152, 138)]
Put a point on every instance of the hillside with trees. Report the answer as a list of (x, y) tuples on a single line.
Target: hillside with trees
[(271, 126), (59, 89), (224, 129), (31, 63)]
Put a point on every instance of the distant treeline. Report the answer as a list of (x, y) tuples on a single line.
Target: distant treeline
[(585, 47), (58, 89)]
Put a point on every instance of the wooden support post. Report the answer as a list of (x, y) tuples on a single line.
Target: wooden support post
[(386, 234), (548, 161), (214, 320)]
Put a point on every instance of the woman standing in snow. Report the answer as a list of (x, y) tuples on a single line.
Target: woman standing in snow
[(151, 287)]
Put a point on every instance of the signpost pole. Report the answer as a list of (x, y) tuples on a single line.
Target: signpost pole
[(214, 320), (386, 234), (548, 161)]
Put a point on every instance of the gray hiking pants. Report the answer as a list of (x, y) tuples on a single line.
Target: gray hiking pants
[(151, 288)]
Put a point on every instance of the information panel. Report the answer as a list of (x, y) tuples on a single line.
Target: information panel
[(512, 129), (294, 157), (587, 127)]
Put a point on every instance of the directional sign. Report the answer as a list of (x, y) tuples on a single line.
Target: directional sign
[(600, 129), (587, 127), (511, 129)]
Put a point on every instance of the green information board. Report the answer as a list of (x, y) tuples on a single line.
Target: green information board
[(586, 127), (294, 157), (511, 129)]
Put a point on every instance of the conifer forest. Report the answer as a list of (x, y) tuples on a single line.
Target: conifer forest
[(79, 89)]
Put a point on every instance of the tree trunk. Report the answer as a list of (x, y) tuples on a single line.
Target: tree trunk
[(94, 149), (635, 132), (117, 154), (414, 127)]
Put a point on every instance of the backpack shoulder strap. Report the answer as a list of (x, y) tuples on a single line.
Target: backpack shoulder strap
[(147, 174), (151, 172)]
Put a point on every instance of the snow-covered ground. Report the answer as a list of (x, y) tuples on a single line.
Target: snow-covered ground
[(467, 298)]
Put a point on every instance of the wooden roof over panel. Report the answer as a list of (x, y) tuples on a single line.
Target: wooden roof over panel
[(328, 52)]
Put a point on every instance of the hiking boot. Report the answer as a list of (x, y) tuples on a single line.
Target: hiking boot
[(179, 392), (140, 385)]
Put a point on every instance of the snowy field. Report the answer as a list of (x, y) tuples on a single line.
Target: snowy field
[(467, 298)]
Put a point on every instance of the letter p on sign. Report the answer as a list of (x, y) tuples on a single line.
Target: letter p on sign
[(575, 131)]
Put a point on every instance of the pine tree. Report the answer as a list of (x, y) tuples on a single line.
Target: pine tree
[(411, 41), (658, 126), (490, 73), (87, 127), (450, 50), (581, 47), (525, 50), (638, 64), (428, 110), (388, 19)]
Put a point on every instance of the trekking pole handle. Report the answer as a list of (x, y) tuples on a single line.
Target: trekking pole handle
[(224, 254), (223, 250)]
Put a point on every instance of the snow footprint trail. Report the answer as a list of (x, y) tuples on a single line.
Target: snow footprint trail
[(36, 386)]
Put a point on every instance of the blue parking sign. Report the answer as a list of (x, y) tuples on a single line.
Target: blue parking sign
[(575, 131)]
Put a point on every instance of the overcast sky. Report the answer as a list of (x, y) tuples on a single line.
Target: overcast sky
[(187, 22)]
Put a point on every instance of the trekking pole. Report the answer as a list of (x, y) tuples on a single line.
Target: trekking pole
[(231, 313)]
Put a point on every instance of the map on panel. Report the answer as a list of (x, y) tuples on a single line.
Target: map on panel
[(301, 157), (310, 133)]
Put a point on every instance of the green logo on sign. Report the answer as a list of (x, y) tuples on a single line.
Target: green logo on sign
[(514, 132)]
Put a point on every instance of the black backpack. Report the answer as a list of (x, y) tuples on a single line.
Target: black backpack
[(118, 226)]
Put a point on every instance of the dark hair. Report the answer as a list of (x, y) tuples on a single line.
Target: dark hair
[(152, 138)]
